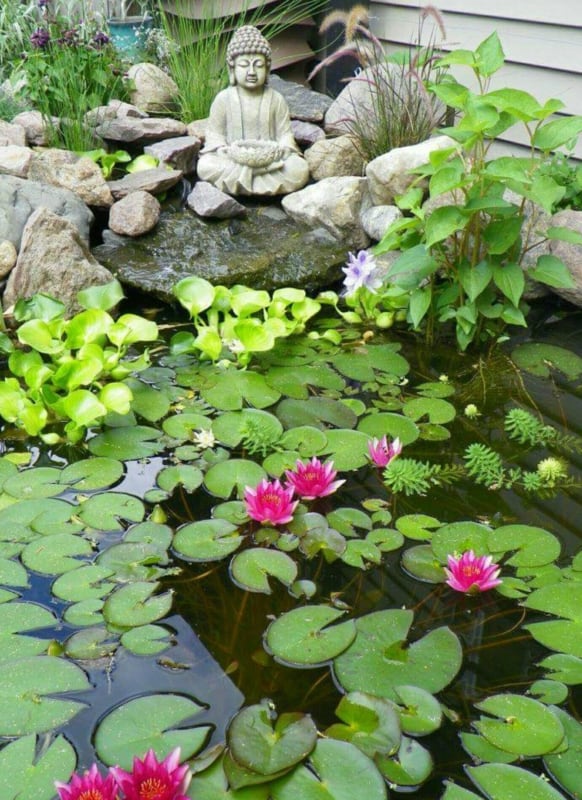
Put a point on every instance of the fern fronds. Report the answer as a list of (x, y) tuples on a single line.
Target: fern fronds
[(257, 438), (484, 465)]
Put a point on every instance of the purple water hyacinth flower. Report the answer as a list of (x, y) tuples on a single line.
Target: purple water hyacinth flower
[(361, 271), (40, 38), (43, 3)]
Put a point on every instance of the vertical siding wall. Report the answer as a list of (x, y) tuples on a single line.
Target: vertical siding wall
[(542, 41)]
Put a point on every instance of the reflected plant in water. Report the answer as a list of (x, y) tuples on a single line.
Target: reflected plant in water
[(270, 503), (151, 779), (382, 453), (472, 574), (89, 786), (313, 479)]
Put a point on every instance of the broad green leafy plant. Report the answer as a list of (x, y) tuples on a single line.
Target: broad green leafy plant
[(71, 369), (466, 261)]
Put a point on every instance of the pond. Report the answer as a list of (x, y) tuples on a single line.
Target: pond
[(145, 606)]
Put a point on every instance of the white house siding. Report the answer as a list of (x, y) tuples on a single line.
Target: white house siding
[(542, 41)]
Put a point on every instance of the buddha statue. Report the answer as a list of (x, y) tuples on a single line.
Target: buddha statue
[(250, 148)]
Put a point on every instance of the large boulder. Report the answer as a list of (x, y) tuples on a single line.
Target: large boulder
[(137, 213), (337, 157), (53, 259), (68, 171), (155, 181), (180, 152), (15, 160), (133, 130), (154, 91), (19, 198)]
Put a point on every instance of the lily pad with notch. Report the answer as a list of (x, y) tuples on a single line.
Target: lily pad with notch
[(135, 604), (147, 640), (207, 540), (388, 424), (523, 726), (103, 512), (501, 781), (54, 555), (251, 568), (410, 766), (236, 473), (371, 723), (30, 770), (92, 473), (307, 637), (126, 443)]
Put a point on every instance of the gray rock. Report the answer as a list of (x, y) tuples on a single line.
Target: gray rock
[(68, 171), (140, 131), (208, 201), (335, 157), (135, 214), (8, 256), (54, 259), (389, 175), (571, 254), (123, 109), (225, 252), (377, 219), (12, 134), (19, 198), (306, 133), (35, 127), (198, 128), (154, 91), (15, 160), (304, 104), (179, 153), (154, 181), (334, 204)]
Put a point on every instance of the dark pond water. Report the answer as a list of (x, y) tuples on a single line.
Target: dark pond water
[(218, 656)]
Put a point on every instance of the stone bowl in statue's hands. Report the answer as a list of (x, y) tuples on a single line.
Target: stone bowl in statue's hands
[(255, 152)]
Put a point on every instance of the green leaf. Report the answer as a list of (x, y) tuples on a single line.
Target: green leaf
[(92, 473), (36, 482), (504, 781), (501, 234), (565, 668), (146, 640), (104, 296), (227, 391), (235, 474), (258, 745), (26, 772), (525, 726), (371, 723), (347, 449), (315, 412), (207, 540), (134, 605), (414, 265), (340, 772), (104, 511), (195, 294), (510, 280), (212, 784), (420, 712), (379, 658), (390, 425), (566, 768), (417, 526), (154, 721), (138, 441), (436, 410), (553, 272), (421, 562), (56, 554), (420, 300), (250, 569), (442, 223), (535, 546), (557, 132), (411, 766), (92, 643), (132, 561), (563, 234), (489, 55), (83, 583), (539, 359), (27, 701), (305, 636), (475, 279)]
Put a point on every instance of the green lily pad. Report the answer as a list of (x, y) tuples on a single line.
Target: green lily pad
[(184, 475), (12, 573), (307, 440), (369, 722), (213, 784), (133, 605), (566, 768), (564, 668), (27, 701), (31, 772), (458, 537), (17, 618), (181, 426), (435, 389), (35, 483), (346, 520), (481, 750), (417, 526), (535, 546), (250, 569), (85, 613), (53, 555), (525, 726), (420, 712), (315, 412), (379, 659), (562, 599), (232, 427), (348, 449), (454, 792), (276, 463), (339, 772), (227, 391), (83, 583), (385, 539), (233, 511), (434, 409), (103, 511), (148, 402), (236, 473), (391, 425), (421, 562), (124, 444), (360, 554), (504, 781), (92, 473), (154, 721), (132, 561), (207, 540), (148, 532), (410, 766), (146, 640), (261, 746), (549, 692), (29, 517), (91, 643), (539, 359), (305, 636)]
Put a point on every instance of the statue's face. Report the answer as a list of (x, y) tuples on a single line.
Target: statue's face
[(250, 71)]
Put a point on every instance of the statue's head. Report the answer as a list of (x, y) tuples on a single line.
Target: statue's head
[(248, 57)]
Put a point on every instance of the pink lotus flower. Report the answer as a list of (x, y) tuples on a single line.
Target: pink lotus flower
[(151, 779), (472, 574), (89, 786), (383, 453), (313, 479), (270, 503)]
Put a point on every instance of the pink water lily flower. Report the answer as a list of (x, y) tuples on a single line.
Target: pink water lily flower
[(313, 479), (382, 453), (270, 503), (151, 779), (89, 786), (472, 574)]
